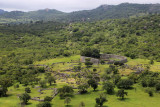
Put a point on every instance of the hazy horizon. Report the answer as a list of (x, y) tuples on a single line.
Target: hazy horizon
[(61, 5)]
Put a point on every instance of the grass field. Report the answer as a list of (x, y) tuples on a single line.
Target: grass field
[(135, 98)]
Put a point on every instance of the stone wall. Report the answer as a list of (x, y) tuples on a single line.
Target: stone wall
[(93, 60), (106, 57)]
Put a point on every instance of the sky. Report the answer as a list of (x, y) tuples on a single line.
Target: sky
[(63, 5)]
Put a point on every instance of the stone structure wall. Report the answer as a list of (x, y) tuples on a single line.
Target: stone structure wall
[(93, 60), (106, 57)]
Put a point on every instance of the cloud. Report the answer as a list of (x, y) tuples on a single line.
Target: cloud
[(63, 5)]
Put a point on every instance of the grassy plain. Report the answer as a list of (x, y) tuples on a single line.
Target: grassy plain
[(135, 98)]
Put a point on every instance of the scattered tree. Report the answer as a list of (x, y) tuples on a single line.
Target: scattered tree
[(121, 93), (109, 87), (101, 100), (47, 98), (83, 88), (67, 100), (125, 83), (24, 98), (51, 79), (44, 104), (66, 91), (93, 84), (27, 90)]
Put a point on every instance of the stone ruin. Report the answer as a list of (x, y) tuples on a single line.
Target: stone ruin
[(106, 57)]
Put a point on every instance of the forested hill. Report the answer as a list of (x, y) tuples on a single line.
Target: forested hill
[(135, 38), (124, 10), (2, 11)]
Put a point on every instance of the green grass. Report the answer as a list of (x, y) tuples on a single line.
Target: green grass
[(136, 98), (56, 60)]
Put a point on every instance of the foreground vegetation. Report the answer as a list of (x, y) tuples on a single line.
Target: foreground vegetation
[(40, 63)]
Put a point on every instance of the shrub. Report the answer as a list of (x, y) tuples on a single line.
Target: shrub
[(66, 91), (47, 98), (44, 104), (125, 83), (101, 100), (121, 93), (109, 87), (157, 86), (27, 90)]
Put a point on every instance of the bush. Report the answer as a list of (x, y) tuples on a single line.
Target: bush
[(157, 86), (101, 100), (125, 83), (44, 104), (27, 90), (24, 98), (90, 52), (118, 63), (47, 98), (121, 93), (66, 91), (150, 93), (109, 87), (83, 88)]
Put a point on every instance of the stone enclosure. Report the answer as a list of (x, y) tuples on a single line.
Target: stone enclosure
[(108, 58)]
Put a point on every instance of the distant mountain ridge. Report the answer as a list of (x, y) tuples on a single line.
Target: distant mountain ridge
[(2, 11), (123, 10)]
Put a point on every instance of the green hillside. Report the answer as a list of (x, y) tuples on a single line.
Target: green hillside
[(124, 10), (40, 62)]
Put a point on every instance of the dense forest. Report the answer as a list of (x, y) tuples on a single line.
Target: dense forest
[(135, 38)]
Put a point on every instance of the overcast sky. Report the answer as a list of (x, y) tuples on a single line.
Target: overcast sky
[(62, 5)]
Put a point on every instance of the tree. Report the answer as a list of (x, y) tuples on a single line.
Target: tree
[(47, 98), (83, 88), (44, 104), (66, 91), (5, 82), (93, 84), (102, 62), (51, 79), (82, 104), (125, 83), (109, 87), (157, 86), (150, 93), (67, 100), (121, 93), (24, 98), (151, 62), (42, 83), (116, 79), (101, 100), (90, 52), (27, 90), (3, 91)]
